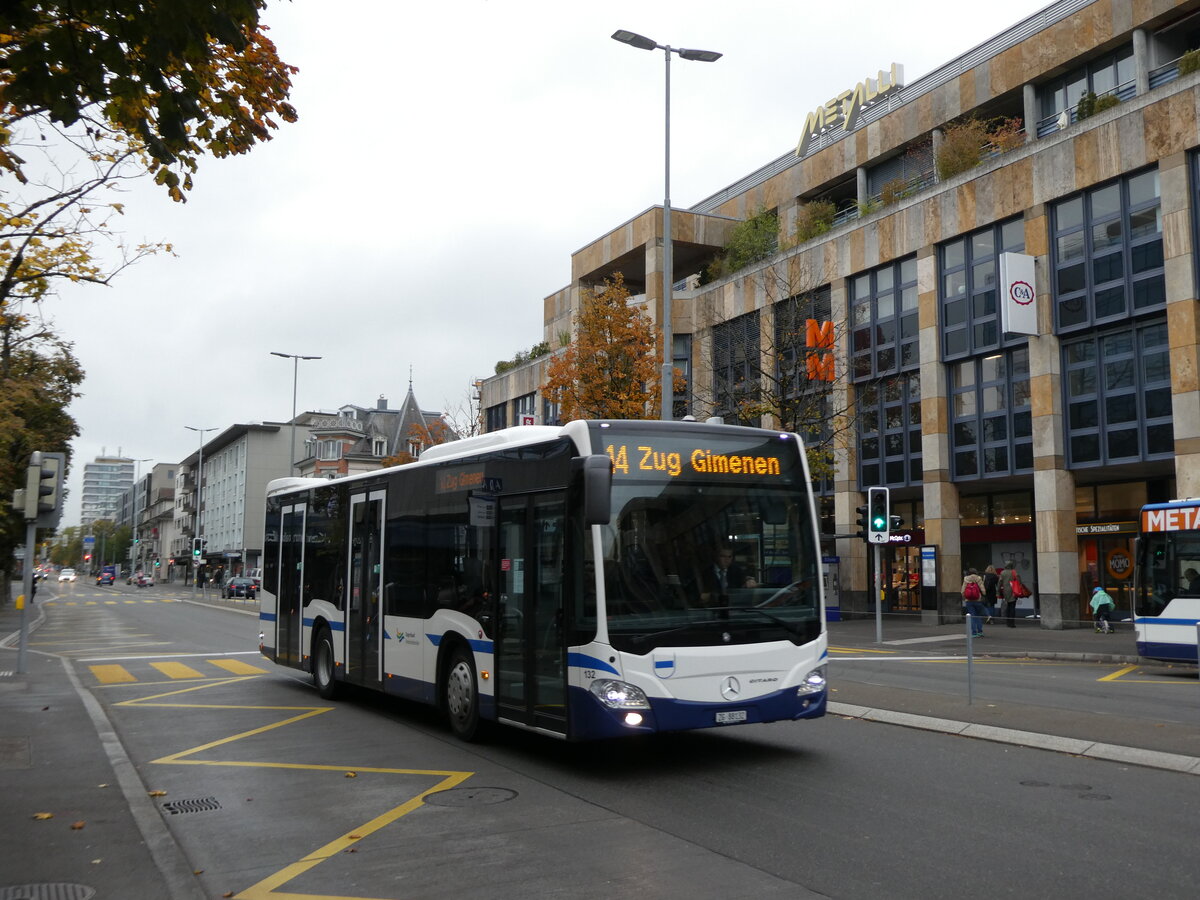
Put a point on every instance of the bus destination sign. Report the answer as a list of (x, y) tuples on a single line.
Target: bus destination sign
[(652, 458)]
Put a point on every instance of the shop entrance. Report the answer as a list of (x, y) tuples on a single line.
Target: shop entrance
[(1106, 561), (902, 577)]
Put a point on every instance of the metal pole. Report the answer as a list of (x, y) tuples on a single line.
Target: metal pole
[(668, 370), (295, 378), (878, 596), (27, 589), (970, 658)]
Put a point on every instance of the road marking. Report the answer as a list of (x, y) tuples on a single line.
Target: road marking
[(171, 656), (267, 888), (237, 667), (929, 640), (176, 670), (112, 674)]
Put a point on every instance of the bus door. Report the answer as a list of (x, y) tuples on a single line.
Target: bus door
[(289, 620), (531, 670), (364, 583)]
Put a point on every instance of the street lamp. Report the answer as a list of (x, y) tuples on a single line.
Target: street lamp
[(668, 369), (295, 357), (199, 495), (133, 514)]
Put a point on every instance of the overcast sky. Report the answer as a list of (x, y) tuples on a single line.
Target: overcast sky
[(448, 160)]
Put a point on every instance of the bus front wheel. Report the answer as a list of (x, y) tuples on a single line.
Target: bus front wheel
[(462, 695), (323, 665)]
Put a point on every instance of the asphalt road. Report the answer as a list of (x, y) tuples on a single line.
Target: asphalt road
[(268, 789)]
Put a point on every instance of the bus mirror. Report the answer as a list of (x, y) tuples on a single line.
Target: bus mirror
[(597, 489)]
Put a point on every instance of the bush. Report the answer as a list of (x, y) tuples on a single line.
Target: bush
[(1108, 101), (896, 189), (1189, 62), (961, 148), (1086, 107), (1007, 134), (750, 241), (814, 218)]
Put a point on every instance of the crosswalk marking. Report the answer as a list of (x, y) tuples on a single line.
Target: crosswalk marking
[(176, 670), (112, 674), (237, 667)]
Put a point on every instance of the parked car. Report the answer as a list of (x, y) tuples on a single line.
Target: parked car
[(67, 575), (255, 575), (141, 579), (238, 586)]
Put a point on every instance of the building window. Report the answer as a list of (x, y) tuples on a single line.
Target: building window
[(883, 309), (681, 358), (884, 364), (1117, 390), (495, 417), (992, 421), (550, 413), (1109, 74), (525, 405), (889, 432), (329, 450), (736, 352), (802, 397), (379, 447), (414, 449), (1108, 254), (969, 276)]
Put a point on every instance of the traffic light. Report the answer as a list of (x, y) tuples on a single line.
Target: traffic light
[(862, 521), (157, 563), (879, 517), (195, 548), (87, 557), (43, 487)]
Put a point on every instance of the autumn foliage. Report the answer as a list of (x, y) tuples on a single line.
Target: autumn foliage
[(611, 369)]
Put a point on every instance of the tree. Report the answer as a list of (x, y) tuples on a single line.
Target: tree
[(611, 369), (179, 78), (424, 435), (466, 417)]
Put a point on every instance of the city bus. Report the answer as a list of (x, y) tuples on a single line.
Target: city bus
[(560, 579), (1167, 581)]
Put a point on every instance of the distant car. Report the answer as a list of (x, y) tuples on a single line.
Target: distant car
[(238, 586), (106, 578), (145, 580), (255, 575), (67, 575)]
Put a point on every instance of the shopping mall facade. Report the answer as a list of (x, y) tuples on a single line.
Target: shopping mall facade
[(1017, 418)]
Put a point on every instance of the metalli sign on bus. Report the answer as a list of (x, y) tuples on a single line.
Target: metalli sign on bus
[(1018, 294)]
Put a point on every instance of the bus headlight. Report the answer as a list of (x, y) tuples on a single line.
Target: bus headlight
[(814, 682), (619, 694)]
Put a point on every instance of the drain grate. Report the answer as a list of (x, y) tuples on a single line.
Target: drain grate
[(47, 892), (204, 804)]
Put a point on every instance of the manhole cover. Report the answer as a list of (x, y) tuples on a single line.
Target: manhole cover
[(480, 796), (47, 892), (176, 807)]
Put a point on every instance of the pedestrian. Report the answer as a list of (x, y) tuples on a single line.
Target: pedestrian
[(990, 581), (1009, 608), (972, 594), (1102, 606)]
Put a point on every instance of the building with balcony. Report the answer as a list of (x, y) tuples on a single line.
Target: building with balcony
[(105, 480), (1070, 141)]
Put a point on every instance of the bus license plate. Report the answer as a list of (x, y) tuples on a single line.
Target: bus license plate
[(731, 716)]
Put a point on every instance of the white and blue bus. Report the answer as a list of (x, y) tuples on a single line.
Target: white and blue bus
[(1167, 581), (560, 579)]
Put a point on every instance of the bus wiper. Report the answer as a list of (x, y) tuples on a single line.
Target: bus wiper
[(782, 623), (640, 639)]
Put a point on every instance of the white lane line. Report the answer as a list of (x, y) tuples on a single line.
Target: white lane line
[(929, 640), (169, 656)]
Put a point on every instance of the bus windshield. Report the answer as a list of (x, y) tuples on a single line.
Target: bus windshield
[(710, 541), (1170, 568)]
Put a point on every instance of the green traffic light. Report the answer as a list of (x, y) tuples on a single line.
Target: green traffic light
[(877, 523)]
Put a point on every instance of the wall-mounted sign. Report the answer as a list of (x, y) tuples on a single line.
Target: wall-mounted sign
[(846, 108), (1018, 294)]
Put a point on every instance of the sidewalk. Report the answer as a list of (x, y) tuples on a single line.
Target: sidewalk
[(1083, 732), (76, 818)]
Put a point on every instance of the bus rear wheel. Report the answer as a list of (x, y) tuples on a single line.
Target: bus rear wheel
[(323, 665), (461, 695)]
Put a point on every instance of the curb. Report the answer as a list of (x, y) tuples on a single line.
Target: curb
[(1154, 759)]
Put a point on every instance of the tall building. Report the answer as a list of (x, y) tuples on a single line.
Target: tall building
[(105, 479), (1016, 418)]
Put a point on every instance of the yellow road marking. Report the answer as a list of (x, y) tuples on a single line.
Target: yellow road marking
[(858, 650), (176, 670), (111, 674), (237, 667), (1117, 674), (267, 888)]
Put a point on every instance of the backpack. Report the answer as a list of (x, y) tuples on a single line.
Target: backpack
[(971, 590), (1018, 587)]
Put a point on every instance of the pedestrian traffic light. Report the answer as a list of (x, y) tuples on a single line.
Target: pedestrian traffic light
[(862, 522), (879, 517), (43, 487)]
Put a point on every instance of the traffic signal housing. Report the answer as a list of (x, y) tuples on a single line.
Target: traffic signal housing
[(44, 487), (195, 548), (879, 519), (862, 521)]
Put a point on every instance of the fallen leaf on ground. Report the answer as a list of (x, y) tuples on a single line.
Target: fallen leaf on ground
[(156, 793), (43, 815), (351, 774), (77, 826)]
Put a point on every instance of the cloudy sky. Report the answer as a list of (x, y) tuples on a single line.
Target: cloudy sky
[(448, 160)]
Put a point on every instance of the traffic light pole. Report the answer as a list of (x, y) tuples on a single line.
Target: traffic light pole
[(878, 596), (27, 590)]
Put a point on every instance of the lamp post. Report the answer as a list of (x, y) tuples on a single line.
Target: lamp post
[(199, 495), (295, 358), (668, 369), (133, 514)]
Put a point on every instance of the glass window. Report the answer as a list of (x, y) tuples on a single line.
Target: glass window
[(968, 279), (991, 420)]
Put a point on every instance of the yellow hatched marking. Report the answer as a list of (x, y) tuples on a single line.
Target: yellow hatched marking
[(176, 670), (110, 602), (237, 667), (267, 889), (149, 601), (112, 674)]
